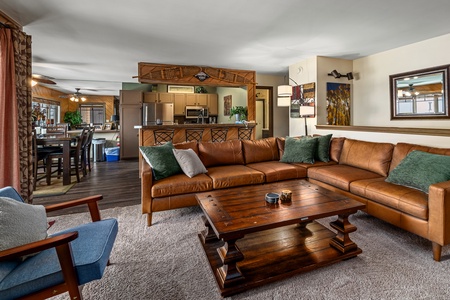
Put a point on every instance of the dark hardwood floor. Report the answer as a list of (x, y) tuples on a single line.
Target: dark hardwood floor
[(118, 182)]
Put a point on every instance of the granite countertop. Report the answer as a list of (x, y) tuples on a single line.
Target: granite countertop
[(252, 124)]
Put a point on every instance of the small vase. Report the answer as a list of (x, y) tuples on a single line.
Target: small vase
[(238, 117)]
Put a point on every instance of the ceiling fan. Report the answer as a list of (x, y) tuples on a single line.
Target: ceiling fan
[(75, 97), (38, 78)]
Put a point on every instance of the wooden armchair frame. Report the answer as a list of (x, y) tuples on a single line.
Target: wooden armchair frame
[(63, 250)]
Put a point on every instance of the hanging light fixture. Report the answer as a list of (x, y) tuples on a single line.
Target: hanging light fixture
[(77, 97)]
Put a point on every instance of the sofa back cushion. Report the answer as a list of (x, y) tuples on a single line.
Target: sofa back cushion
[(371, 156), (187, 145), (223, 153), (401, 150), (260, 150)]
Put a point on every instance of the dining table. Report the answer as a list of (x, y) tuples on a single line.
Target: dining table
[(65, 141)]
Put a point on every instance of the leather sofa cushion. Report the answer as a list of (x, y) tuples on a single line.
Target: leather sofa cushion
[(374, 157), (260, 150), (276, 171), (235, 175), (403, 149), (316, 164), (405, 199), (340, 175), (181, 184), (220, 154), (187, 145)]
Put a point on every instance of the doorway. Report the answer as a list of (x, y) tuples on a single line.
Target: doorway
[(264, 112)]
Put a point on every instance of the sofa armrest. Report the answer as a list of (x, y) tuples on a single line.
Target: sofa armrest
[(146, 187), (439, 213)]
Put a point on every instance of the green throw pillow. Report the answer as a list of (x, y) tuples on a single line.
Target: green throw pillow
[(421, 169), (323, 148), (161, 159), (299, 150)]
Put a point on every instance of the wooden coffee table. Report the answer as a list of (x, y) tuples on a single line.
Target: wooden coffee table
[(249, 242)]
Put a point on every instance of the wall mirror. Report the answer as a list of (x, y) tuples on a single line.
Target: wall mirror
[(420, 94)]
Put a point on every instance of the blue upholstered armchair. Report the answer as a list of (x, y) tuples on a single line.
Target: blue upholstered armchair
[(64, 261)]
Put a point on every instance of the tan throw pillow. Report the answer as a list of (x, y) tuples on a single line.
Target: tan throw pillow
[(21, 223), (189, 162)]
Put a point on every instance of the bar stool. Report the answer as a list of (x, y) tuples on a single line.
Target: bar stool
[(163, 136), (245, 133), (194, 134), (219, 134)]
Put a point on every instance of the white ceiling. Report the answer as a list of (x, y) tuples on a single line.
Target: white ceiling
[(97, 44)]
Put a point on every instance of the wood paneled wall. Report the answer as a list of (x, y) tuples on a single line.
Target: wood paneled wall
[(39, 91)]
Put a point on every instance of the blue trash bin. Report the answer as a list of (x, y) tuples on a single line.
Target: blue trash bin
[(112, 154)]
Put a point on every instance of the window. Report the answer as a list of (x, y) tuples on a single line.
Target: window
[(93, 113)]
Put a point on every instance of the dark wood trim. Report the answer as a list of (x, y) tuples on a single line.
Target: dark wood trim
[(396, 130), (270, 89)]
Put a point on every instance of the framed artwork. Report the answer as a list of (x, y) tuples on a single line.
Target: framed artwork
[(180, 89), (107, 126), (227, 103), (303, 101), (338, 103)]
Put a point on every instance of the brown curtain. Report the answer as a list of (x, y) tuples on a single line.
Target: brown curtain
[(15, 112)]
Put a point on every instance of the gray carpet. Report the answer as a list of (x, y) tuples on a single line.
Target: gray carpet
[(166, 261)]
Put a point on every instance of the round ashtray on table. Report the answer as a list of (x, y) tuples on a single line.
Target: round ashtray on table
[(272, 198)]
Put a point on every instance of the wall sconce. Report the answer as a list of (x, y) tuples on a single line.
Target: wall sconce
[(336, 74), (284, 94)]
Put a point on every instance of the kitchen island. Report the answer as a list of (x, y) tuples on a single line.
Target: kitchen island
[(147, 136)]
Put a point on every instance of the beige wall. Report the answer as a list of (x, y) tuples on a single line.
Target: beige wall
[(370, 90)]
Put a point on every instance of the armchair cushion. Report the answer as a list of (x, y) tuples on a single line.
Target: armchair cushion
[(21, 223), (91, 251)]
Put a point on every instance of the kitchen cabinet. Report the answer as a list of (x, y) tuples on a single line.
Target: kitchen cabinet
[(179, 104), (130, 97), (213, 105), (150, 97), (197, 99)]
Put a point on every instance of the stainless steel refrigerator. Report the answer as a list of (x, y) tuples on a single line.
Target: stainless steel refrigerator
[(157, 114)]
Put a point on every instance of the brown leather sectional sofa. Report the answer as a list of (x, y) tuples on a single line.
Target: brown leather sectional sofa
[(357, 169)]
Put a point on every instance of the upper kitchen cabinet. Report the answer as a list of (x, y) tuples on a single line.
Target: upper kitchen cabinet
[(179, 104), (130, 97), (197, 99), (213, 105), (150, 97)]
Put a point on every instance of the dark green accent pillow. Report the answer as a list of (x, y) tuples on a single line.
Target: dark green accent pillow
[(421, 169), (299, 150), (323, 148), (161, 159)]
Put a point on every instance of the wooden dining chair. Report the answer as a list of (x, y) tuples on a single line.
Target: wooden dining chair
[(75, 156), (163, 136), (245, 133), (194, 134), (219, 134)]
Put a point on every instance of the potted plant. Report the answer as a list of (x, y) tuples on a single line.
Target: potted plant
[(73, 118), (240, 112)]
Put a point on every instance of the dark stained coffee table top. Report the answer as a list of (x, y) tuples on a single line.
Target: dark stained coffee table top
[(236, 212)]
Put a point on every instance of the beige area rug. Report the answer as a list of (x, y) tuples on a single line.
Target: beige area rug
[(55, 189), (166, 261)]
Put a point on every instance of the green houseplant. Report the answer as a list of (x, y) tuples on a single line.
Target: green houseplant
[(240, 112), (73, 118)]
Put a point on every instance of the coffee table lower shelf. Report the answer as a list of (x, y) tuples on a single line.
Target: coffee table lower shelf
[(277, 254)]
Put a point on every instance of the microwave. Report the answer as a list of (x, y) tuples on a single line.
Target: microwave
[(193, 112)]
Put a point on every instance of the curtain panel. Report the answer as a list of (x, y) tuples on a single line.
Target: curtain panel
[(15, 112)]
